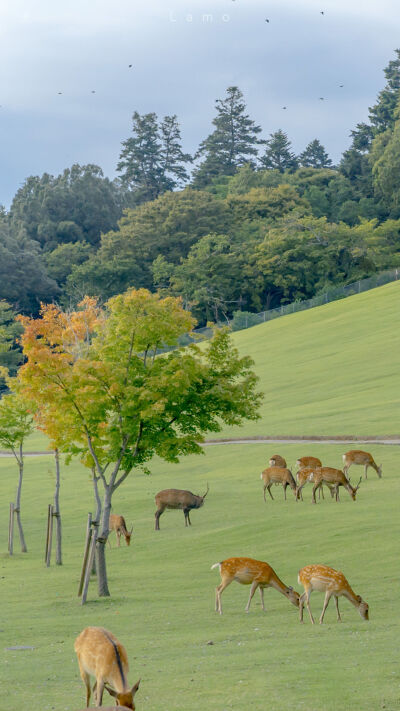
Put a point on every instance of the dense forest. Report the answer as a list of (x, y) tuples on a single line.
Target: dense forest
[(244, 224)]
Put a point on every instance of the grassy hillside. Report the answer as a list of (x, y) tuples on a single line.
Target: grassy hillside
[(330, 370), (162, 604)]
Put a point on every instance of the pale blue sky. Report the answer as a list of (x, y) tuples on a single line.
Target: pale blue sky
[(184, 55)]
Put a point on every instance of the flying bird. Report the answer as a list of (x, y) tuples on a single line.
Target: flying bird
[(341, 86), (321, 98), (130, 66), (93, 91), (284, 107), (60, 92), (266, 19), (322, 12)]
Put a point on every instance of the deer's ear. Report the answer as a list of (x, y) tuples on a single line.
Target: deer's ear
[(135, 687), (111, 691)]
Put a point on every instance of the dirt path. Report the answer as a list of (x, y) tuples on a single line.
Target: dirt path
[(312, 439)]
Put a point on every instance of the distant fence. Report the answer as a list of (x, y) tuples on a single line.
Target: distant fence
[(246, 319)]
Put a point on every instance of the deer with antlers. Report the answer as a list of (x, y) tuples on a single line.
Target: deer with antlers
[(117, 524), (332, 583), (303, 476), (334, 477), (101, 655), (177, 499), (277, 461), (256, 573), (278, 475), (357, 456)]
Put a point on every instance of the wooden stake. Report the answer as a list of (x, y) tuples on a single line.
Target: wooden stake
[(11, 529), (86, 553), (49, 536), (89, 565)]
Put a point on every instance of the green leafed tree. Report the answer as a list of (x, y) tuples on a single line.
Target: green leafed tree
[(104, 393), (10, 330), (16, 424), (152, 160), (233, 142), (278, 153), (315, 156)]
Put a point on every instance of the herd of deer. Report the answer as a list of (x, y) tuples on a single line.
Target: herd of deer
[(102, 656), (310, 469)]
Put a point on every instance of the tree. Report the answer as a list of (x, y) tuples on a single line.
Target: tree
[(103, 393), (385, 161), (10, 329), (278, 154), (77, 205), (233, 142), (16, 424), (62, 260), (152, 161), (23, 278), (315, 156)]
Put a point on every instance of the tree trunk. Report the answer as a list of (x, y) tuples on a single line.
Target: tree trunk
[(101, 544), (17, 508), (57, 510)]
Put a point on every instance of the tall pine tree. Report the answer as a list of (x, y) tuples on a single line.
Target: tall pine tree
[(233, 142), (315, 156), (278, 154), (152, 161)]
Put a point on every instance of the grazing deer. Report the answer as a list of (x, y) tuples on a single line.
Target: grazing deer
[(177, 499), (278, 475), (331, 582), (335, 477), (277, 461), (102, 656), (256, 573), (303, 476), (357, 456), (117, 524), (312, 462)]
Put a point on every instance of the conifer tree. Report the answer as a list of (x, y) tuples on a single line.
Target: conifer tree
[(315, 156), (152, 161), (278, 154), (233, 142)]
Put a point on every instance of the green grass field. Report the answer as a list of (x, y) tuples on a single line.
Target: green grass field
[(162, 604)]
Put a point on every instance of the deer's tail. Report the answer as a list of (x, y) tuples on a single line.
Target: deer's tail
[(216, 565)]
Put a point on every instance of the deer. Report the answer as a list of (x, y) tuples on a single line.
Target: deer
[(256, 573), (177, 499), (117, 524), (303, 476), (357, 456), (101, 655), (278, 475), (308, 462), (277, 461), (331, 582), (334, 477)]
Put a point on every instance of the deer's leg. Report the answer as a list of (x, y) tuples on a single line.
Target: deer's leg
[(218, 592), (269, 491), (261, 589), (306, 595), (284, 489), (339, 619), (253, 588), (86, 680), (157, 517), (118, 534), (190, 523), (100, 689), (301, 606), (187, 517), (321, 491), (326, 603), (315, 487), (366, 470)]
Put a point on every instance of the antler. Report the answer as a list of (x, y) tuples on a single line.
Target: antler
[(208, 489), (358, 483)]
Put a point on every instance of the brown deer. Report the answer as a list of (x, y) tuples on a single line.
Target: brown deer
[(117, 524), (278, 475), (101, 655), (331, 582), (277, 461), (256, 573), (334, 477), (357, 456), (177, 499), (303, 476), (308, 462)]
